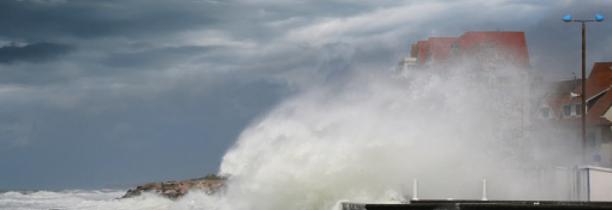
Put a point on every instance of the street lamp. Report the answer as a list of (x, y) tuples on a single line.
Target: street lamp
[(568, 19)]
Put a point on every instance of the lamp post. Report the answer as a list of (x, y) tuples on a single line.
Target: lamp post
[(568, 19)]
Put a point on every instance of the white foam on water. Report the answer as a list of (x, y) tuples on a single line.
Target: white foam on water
[(77, 200)]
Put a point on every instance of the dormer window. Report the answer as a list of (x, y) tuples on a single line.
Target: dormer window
[(570, 110), (578, 109)]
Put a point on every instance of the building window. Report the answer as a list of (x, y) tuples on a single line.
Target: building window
[(545, 112), (567, 110), (578, 109)]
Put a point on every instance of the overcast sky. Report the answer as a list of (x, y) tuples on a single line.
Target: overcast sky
[(117, 92)]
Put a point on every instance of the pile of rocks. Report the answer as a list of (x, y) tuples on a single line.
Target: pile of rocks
[(176, 189)]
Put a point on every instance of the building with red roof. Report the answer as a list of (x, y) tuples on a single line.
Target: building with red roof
[(563, 104), (496, 46)]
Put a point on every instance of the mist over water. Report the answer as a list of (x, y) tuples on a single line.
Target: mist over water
[(366, 138)]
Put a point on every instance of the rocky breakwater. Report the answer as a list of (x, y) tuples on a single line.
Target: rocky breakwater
[(176, 189)]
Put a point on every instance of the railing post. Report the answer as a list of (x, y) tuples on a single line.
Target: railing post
[(415, 190), (484, 190)]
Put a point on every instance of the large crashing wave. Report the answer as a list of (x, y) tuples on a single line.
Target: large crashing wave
[(366, 138)]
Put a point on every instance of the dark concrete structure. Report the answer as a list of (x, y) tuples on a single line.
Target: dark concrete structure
[(481, 205)]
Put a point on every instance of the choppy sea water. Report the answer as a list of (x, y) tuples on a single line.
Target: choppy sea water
[(94, 199)]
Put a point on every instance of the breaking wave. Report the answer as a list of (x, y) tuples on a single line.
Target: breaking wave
[(368, 138), (365, 139)]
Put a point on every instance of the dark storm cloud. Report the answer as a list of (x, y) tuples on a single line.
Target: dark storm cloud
[(157, 57), (32, 52), (89, 18)]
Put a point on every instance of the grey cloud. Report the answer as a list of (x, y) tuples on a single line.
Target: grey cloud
[(90, 19), (157, 57), (32, 52)]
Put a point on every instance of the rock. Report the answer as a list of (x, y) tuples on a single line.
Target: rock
[(176, 189)]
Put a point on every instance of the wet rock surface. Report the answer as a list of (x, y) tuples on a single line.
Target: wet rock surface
[(177, 189)]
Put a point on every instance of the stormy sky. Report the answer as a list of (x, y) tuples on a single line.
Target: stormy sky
[(112, 93)]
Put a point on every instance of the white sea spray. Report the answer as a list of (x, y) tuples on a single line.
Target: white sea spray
[(365, 139)]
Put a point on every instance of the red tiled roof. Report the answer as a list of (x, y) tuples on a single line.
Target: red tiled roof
[(440, 48), (512, 45), (600, 79), (596, 112)]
